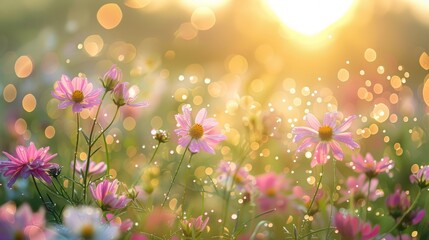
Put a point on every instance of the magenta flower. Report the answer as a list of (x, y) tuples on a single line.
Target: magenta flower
[(369, 166), (77, 93), (351, 227), (401, 237), (22, 223), (272, 189), (357, 190), (111, 78), (121, 96), (325, 136), (201, 135), (105, 195), (194, 226), (94, 168), (421, 177), (398, 203), (28, 161)]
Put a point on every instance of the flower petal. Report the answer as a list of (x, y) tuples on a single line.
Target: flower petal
[(312, 121)]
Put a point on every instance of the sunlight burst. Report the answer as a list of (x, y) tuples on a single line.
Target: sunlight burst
[(310, 17)]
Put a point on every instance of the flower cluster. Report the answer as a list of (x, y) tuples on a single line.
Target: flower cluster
[(304, 198)]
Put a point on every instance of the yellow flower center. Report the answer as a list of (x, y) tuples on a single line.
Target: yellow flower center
[(238, 179), (196, 131), (87, 231), (270, 192), (325, 133), (77, 96)]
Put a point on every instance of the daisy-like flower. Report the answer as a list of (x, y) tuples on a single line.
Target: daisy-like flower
[(123, 225), (357, 190), (326, 136), (105, 195), (397, 203), (369, 166), (85, 222), (421, 177), (231, 175), (94, 168), (200, 135), (78, 93), (28, 161), (272, 189), (123, 95), (22, 223), (351, 227), (194, 226), (111, 78)]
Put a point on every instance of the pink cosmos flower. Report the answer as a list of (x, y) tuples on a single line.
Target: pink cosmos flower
[(77, 92), (111, 78), (94, 168), (124, 226), (201, 135), (272, 189), (421, 177), (194, 226), (22, 223), (105, 195), (28, 161), (369, 166), (306, 199), (351, 227), (397, 203), (357, 190), (122, 95), (401, 237), (326, 136), (230, 175)]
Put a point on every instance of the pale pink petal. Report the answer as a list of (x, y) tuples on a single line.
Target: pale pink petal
[(312, 121), (306, 143), (330, 119), (347, 139), (201, 116), (336, 150), (302, 132), (345, 125)]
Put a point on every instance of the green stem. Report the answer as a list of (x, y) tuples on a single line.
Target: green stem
[(43, 200), (154, 153), (75, 151), (332, 199), (317, 231), (405, 214), (64, 191), (175, 174), (244, 225), (90, 144), (367, 199), (312, 199), (105, 129), (107, 155), (150, 161)]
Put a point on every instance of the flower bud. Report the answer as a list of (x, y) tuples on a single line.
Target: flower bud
[(111, 78)]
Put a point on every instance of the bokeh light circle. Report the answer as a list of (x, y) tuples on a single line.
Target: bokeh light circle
[(109, 15)]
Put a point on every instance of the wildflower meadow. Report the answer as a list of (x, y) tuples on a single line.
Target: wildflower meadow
[(197, 119)]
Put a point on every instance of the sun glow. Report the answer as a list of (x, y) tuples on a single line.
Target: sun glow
[(310, 17)]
